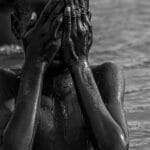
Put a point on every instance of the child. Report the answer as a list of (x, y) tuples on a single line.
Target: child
[(82, 106)]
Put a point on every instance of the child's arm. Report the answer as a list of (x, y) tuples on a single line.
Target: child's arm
[(107, 134), (20, 132)]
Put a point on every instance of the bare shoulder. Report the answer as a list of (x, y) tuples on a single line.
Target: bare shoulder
[(9, 83), (107, 69)]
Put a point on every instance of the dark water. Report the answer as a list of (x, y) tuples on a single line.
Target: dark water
[(122, 35)]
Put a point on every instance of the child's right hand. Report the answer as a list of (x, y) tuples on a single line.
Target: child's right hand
[(42, 39)]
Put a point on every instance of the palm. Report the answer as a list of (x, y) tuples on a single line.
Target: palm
[(77, 37)]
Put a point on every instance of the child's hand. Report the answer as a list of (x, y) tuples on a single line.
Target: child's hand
[(42, 40), (77, 34)]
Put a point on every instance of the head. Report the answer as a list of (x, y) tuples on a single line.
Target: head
[(23, 10), (20, 17)]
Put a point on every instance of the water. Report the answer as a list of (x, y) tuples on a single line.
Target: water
[(122, 35)]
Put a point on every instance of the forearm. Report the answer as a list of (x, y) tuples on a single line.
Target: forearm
[(105, 130), (21, 128)]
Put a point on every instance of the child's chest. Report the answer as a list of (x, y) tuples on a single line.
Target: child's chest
[(61, 121)]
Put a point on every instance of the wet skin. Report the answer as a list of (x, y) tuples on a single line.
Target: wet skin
[(82, 105), (72, 124)]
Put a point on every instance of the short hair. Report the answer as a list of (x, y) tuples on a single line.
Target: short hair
[(6, 5), (22, 9)]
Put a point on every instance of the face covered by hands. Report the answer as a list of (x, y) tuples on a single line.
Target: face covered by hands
[(77, 34), (43, 38)]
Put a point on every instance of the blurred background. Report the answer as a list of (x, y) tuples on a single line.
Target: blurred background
[(121, 35)]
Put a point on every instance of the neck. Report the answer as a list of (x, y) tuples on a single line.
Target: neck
[(6, 36)]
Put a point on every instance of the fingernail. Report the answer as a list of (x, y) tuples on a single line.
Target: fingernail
[(68, 10), (34, 16)]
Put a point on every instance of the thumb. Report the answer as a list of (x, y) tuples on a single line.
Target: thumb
[(32, 21)]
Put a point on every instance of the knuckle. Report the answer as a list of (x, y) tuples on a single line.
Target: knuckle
[(89, 14), (74, 34), (59, 20), (83, 31), (73, 13), (90, 25), (70, 40)]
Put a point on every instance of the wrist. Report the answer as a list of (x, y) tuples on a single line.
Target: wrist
[(33, 55), (79, 64), (35, 67)]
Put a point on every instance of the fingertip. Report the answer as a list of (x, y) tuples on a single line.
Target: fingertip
[(67, 22), (68, 15), (67, 11), (32, 21), (33, 16), (61, 18)]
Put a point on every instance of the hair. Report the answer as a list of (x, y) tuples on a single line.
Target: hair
[(6, 5), (22, 9)]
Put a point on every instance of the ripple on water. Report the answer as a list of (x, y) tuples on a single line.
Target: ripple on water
[(139, 134), (122, 36)]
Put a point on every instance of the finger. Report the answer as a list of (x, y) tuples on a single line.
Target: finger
[(46, 12), (71, 3), (85, 19), (90, 36), (90, 41), (89, 15), (79, 23), (67, 23), (87, 4), (56, 27), (74, 19), (56, 11), (82, 4), (32, 21), (89, 24), (68, 2), (76, 2), (83, 9)]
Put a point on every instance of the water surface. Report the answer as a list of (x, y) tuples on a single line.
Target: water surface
[(122, 35)]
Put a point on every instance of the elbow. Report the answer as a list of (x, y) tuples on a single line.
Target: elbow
[(115, 141), (122, 142)]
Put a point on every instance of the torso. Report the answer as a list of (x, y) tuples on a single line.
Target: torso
[(60, 122), (61, 125)]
